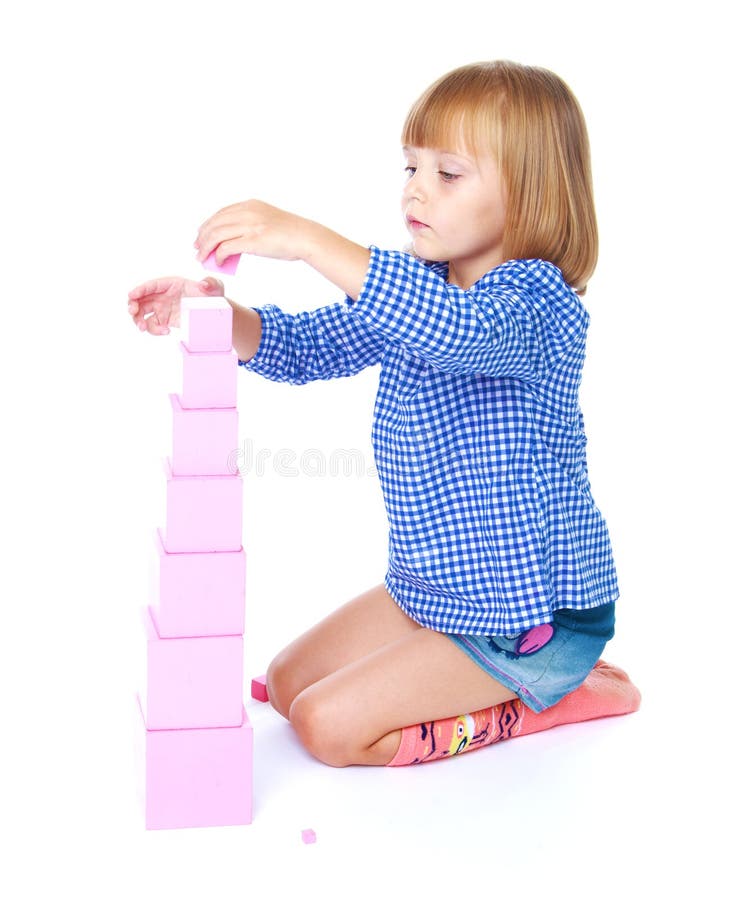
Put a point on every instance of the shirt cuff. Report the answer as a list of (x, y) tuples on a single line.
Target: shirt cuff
[(371, 298), (263, 362)]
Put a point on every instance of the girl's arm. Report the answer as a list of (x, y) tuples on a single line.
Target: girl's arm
[(329, 342), (246, 331), (155, 308), (256, 228), (517, 321)]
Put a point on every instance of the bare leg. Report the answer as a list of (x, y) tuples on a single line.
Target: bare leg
[(350, 633), (351, 683), (354, 716)]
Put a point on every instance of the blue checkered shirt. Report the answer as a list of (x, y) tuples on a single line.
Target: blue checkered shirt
[(478, 436)]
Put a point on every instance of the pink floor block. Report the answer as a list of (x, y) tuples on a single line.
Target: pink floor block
[(206, 323), (203, 513), (259, 689), (209, 379), (196, 777), (197, 594), (192, 682), (205, 441)]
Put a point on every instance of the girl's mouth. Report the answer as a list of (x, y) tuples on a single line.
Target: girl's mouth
[(415, 223)]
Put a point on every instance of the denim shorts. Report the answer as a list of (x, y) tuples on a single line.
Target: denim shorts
[(547, 662)]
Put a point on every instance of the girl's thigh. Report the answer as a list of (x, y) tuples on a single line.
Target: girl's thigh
[(354, 714), (355, 630)]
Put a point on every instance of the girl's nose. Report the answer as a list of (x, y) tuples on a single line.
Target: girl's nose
[(414, 187)]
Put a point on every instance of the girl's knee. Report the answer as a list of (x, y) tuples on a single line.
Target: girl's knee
[(320, 729), (280, 685)]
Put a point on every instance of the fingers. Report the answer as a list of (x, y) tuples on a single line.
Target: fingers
[(153, 318), (154, 305), (150, 305), (150, 288), (156, 327), (224, 240), (138, 315), (212, 286), (223, 217), (227, 231)]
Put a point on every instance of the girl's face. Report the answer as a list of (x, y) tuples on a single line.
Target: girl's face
[(453, 204)]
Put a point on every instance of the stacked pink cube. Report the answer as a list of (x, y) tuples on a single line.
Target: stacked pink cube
[(197, 737)]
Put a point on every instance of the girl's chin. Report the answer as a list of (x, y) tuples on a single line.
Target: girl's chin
[(422, 250)]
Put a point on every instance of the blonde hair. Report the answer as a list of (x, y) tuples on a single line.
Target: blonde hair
[(532, 124)]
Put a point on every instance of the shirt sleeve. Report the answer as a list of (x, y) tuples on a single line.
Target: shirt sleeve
[(517, 321), (327, 343)]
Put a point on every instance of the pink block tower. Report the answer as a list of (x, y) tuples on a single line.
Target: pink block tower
[(197, 737)]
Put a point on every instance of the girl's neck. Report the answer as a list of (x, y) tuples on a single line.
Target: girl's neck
[(465, 275)]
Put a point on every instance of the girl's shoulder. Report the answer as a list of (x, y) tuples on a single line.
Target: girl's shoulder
[(537, 283), (537, 288), (530, 274), (526, 273)]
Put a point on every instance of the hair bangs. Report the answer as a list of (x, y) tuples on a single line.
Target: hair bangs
[(452, 115)]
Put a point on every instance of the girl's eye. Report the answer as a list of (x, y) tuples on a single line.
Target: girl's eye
[(445, 176)]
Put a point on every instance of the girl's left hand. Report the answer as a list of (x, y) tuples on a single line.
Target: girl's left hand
[(256, 228)]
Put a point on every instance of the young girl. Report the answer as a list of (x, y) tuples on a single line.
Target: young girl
[(499, 594)]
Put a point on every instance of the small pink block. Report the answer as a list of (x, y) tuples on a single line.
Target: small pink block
[(209, 379), (309, 836), (192, 682), (197, 594), (227, 267), (198, 777), (203, 512), (259, 689), (206, 323), (204, 441)]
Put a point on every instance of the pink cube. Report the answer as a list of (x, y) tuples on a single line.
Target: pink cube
[(205, 441), (197, 594), (227, 267), (192, 682), (259, 689), (203, 513), (209, 379), (206, 323), (196, 777)]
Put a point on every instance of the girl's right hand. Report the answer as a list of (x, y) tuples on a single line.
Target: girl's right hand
[(155, 305)]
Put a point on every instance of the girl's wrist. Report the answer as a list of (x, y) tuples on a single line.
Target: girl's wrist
[(314, 239), (340, 260)]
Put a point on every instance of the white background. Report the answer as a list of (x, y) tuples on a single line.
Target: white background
[(126, 125)]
